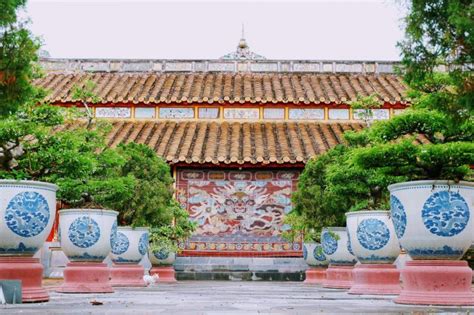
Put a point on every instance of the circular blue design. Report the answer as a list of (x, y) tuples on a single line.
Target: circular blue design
[(349, 245), (318, 253), (143, 243), (445, 213), (305, 252), (121, 244), (84, 232), (113, 234), (27, 214), (162, 254), (399, 216), (329, 243), (373, 234)]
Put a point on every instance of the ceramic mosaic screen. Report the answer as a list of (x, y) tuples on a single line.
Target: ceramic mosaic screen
[(176, 113), (145, 112), (377, 113), (336, 113), (113, 112), (273, 113), (307, 113), (208, 113), (237, 212), (241, 113)]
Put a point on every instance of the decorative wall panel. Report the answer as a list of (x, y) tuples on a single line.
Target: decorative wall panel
[(338, 113), (273, 113), (241, 113), (112, 112), (208, 113), (306, 113), (177, 113), (145, 112), (240, 212), (377, 113)]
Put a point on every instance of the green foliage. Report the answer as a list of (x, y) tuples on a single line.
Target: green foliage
[(365, 104), (18, 52)]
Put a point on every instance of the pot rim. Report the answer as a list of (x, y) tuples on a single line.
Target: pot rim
[(335, 229), (364, 212), (131, 228), (88, 210), (430, 182), (28, 182)]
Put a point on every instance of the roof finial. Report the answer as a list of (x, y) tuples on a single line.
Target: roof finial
[(243, 51), (243, 31)]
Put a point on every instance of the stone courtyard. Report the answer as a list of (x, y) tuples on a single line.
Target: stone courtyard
[(223, 297)]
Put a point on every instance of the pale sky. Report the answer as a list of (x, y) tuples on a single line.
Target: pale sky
[(334, 30)]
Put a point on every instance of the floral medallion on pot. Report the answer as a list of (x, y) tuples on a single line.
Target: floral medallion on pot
[(163, 257), (313, 255), (433, 219), (372, 236), (130, 245), (335, 243), (89, 233), (26, 216)]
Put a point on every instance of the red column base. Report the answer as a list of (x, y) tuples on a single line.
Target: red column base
[(86, 277), (315, 275), (165, 274), (30, 272), (378, 279), (436, 282), (127, 275), (338, 277)]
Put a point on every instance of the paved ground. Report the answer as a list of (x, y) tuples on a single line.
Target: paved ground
[(223, 297)]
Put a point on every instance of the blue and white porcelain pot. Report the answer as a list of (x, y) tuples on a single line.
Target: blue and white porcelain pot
[(27, 211), (313, 255), (162, 257), (433, 219), (372, 237), (129, 245), (337, 246), (87, 234)]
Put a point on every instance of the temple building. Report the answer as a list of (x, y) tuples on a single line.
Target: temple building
[(236, 131)]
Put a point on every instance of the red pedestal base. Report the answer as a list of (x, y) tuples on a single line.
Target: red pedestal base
[(315, 275), (127, 275), (86, 277), (165, 274), (338, 277), (30, 272), (436, 282), (375, 279)]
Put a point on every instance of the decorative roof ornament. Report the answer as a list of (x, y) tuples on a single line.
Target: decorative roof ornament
[(243, 51)]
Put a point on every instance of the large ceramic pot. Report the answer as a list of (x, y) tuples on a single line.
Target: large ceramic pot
[(337, 246), (372, 237), (162, 257), (129, 245), (313, 255), (87, 234), (27, 211), (433, 219)]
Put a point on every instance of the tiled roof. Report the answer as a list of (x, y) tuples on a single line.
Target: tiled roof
[(212, 87), (231, 142)]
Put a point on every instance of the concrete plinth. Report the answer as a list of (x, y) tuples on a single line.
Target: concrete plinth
[(315, 275), (379, 279), (127, 275), (436, 282), (30, 272), (86, 277), (338, 277), (166, 274)]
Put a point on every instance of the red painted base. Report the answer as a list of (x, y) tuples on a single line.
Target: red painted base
[(165, 274), (30, 272), (86, 277), (127, 275), (379, 279), (315, 275), (338, 277), (436, 282)]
